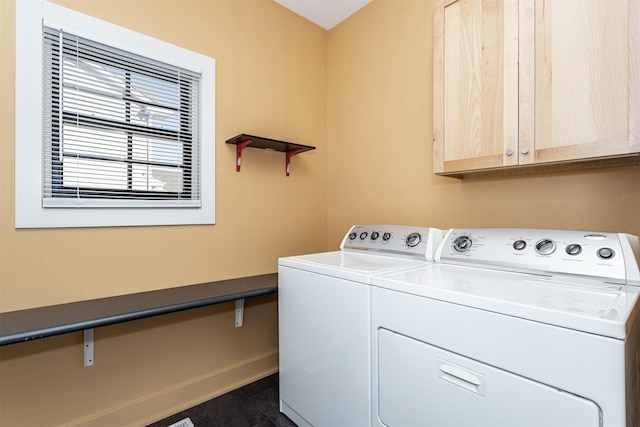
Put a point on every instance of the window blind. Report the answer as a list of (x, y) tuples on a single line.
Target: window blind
[(120, 129)]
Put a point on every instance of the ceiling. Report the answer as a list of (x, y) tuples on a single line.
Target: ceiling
[(325, 13)]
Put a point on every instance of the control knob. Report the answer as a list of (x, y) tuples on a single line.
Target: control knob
[(519, 245), (363, 235), (352, 236), (413, 239), (545, 247), (462, 243), (386, 237), (375, 235)]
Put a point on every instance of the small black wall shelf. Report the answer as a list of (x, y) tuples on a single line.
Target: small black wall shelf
[(290, 149)]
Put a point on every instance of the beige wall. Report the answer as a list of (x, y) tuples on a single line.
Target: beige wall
[(379, 81), (270, 81), (362, 94)]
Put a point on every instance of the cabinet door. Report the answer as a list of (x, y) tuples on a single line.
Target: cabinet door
[(475, 84), (580, 79)]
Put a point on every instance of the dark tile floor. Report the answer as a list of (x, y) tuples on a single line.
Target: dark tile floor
[(254, 405)]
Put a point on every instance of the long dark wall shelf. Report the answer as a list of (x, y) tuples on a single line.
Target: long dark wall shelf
[(30, 324), (289, 148)]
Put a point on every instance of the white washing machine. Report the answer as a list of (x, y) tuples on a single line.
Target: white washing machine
[(324, 321), (510, 327)]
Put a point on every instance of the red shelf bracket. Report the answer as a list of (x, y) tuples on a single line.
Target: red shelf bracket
[(239, 148), (289, 154)]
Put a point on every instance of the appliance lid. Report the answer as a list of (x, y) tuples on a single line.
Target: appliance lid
[(591, 306), (358, 267)]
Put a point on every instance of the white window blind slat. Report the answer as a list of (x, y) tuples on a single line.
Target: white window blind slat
[(120, 130)]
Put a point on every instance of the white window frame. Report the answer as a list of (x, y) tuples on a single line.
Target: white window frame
[(29, 168)]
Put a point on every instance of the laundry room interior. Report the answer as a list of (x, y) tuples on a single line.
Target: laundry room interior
[(362, 94)]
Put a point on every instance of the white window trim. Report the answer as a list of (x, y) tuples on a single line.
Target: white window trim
[(29, 213)]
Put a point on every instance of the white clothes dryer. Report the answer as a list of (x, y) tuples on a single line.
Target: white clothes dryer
[(324, 321), (510, 327)]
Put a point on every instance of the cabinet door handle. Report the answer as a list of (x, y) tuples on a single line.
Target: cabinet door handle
[(524, 150), (509, 152)]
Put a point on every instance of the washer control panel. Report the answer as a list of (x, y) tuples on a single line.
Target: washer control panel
[(397, 240), (613, 257)]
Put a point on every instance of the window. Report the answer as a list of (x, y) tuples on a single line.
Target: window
[(124, 135), (118, 127)]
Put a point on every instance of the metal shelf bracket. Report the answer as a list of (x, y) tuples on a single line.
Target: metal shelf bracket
[(290, 154), (239, 148), (239, 312), (88, 347)]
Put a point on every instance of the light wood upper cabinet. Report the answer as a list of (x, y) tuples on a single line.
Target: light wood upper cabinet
[(527, 82)]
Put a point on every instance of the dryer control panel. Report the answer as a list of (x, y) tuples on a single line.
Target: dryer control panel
[(612, 257), (399, 240)]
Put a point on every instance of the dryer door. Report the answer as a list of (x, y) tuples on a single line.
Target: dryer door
[(423, 385)]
